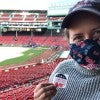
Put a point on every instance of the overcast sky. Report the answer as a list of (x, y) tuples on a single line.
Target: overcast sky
[(29, 4)]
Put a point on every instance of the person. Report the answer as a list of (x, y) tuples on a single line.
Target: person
[(77, 78)]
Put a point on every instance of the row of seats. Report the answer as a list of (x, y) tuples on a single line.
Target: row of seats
[(24, 91), (22, 75), (21, 18), (30, 18), (20, 15), (56, 18), (39, 40)]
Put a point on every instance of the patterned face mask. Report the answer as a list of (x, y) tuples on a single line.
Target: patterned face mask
[(87, 53)]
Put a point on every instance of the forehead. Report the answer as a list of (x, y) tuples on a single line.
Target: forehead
[(81, 17), (84, 24), (84, 27)]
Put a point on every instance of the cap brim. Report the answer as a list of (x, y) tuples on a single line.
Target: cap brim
[(67, 19)]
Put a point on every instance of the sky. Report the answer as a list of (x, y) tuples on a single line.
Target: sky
[(29, 4)]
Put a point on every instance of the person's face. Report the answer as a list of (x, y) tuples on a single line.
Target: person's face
[(86, 28)]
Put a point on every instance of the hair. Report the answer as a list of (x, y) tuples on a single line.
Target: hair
[(66, 32)]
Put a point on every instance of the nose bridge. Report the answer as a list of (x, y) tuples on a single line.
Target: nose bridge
[(88, 35)]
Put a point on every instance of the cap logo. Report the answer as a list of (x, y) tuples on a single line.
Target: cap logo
[(82, 4)]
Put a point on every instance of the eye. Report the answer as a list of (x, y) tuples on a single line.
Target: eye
[(96, 34), (79, 37)]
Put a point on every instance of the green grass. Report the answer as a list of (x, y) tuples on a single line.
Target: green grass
[(31, 53)]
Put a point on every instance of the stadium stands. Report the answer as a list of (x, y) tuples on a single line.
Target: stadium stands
[(29, 18), (4, 17), (16, 18), (56, 18), (9, 76), (19, 83), (24, 92), (39, 40), (41, 18)]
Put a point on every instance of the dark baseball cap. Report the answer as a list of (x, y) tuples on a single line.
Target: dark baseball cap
[(91, 6)]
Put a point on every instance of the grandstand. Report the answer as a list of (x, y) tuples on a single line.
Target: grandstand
[(32, 30)]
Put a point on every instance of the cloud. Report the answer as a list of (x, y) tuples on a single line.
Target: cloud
[(24, 4), (29, 4)]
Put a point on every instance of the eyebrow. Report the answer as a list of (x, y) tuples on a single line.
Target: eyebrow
[(96, 28), (78, 34)]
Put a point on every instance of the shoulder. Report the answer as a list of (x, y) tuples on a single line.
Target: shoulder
[(69, 63), (63, 66)]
